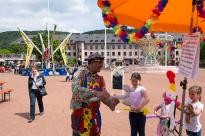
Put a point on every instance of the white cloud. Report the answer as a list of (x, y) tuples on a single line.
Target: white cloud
[(69, 15)]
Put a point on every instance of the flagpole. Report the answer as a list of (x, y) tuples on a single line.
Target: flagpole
[(105, 49), (166, 49), (50, 53)]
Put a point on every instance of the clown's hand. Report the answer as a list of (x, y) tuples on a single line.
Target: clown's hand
[(111, 102), (102, 95)]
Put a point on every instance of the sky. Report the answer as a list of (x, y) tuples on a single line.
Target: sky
[(69, 15)]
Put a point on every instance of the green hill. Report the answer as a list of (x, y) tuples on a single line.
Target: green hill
[(6, 38)]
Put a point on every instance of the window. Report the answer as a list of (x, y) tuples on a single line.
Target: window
[(113, 53), (159, 53), (119, 53), (119, 40), (125, 53), (86, 53), (69, 54), (108, 53), (91, 40), (102, 47), (118, 47), (136, 53), (74, 54), (124, 47), (102, 53), (91, 47), (113, 40), (96, 40), (130, 46), (113, 46), (85, 47), (130, 53), (96, 47), (91, 52), (108, 46), (177, 53), (136, 46), (102, 40), (74, 47)]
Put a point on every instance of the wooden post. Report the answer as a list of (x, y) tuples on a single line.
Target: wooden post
[(183, 84)]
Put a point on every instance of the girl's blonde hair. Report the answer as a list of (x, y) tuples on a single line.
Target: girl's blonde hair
[(196, 89)]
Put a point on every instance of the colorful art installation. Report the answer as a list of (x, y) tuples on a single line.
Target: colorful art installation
[(30, 46), (46, 53)]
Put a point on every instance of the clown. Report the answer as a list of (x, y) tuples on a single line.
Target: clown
[(86, 117)]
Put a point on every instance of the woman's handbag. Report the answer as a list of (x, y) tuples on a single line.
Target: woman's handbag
[(42, 91)]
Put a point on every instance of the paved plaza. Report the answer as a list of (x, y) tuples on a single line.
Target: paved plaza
[(56, 120)]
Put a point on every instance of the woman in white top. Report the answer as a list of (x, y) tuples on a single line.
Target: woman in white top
[(35, 81)]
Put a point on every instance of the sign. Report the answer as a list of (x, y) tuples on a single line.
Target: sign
[(189, 60), (117, 78)]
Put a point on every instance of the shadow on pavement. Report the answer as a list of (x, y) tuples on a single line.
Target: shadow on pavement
[(23, 115)]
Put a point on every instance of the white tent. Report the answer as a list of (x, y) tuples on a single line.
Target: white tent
[(2, 60)]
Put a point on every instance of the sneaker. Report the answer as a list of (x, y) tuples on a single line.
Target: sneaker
[(30, 120), (41, 113)]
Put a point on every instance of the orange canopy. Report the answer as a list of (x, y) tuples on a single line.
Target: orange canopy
[(175, 17)]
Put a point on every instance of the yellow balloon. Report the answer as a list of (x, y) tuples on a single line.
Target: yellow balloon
[(172, 87)]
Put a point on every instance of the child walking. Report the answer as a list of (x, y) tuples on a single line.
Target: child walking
[(193, 110), (136, 117)]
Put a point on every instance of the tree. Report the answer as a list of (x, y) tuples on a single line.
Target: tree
[(36, 40), (17, 49), (71, 61), (5, 51)]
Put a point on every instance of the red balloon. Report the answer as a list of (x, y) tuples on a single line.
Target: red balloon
[(171, 76)]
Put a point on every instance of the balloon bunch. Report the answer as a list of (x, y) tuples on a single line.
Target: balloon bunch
[(159, 8), (200, 8), (171, 78), (197, 29), (110, 21), (172, 87)]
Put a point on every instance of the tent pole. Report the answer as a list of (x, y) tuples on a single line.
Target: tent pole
[(183, 83)]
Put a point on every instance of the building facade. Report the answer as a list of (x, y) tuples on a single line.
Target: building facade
[(82, 45)]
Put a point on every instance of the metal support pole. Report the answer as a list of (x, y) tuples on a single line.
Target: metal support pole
[(166, 47), (183, 84), (105, 49)]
